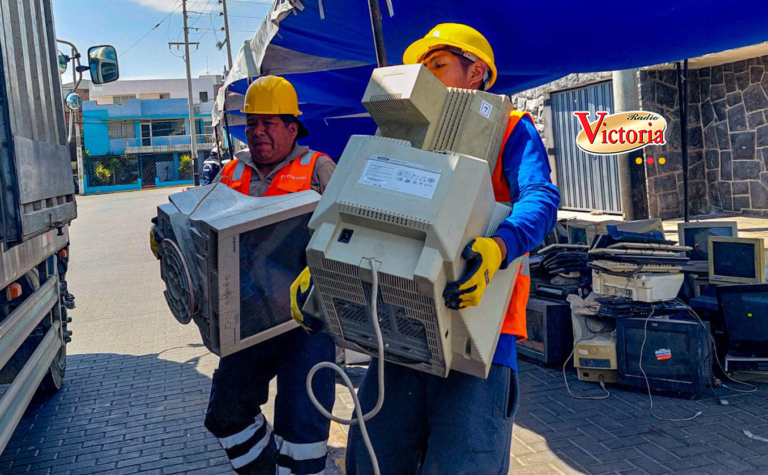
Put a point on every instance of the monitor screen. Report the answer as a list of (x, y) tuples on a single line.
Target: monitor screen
[(577, 235), (271, 258), (734, 259), (746, 316), (697, 239), (666, 354)]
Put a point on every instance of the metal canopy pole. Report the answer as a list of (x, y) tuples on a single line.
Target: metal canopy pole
[(378, 32), (682, 94)]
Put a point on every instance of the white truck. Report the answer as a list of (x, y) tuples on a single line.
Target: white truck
[(37, 203)]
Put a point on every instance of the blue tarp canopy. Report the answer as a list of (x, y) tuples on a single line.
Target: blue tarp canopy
[(325, 48)]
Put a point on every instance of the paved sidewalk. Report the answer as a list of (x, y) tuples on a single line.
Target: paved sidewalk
[(137, 386)]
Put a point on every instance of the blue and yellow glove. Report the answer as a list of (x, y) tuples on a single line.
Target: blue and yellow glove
[(483, 258), (299, 293), (155, 238)]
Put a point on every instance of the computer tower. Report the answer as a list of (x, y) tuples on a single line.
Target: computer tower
[(550, 333), (594, 348), (676, 358)]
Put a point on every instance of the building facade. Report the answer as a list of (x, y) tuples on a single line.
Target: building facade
[(727, 136), (143, 143)]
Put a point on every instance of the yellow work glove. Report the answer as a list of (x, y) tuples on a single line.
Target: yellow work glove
[(299, 293), (155, 238), (483, 258)]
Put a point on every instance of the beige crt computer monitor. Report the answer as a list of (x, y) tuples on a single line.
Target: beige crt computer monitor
[(736, 260), (412, 198)]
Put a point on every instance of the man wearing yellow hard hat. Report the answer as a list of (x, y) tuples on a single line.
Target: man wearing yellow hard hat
[(274, 164), (462, 424)]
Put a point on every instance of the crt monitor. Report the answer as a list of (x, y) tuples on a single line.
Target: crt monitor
[(696, 236), (676, 354), (411, 198), (737, 260), (229, 259), (745, 312)]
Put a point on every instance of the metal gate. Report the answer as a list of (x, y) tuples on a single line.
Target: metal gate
[(587, 182)]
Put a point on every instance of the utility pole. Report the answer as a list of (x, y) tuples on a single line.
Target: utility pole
[(226, 33), (192, 134), (634, 196)]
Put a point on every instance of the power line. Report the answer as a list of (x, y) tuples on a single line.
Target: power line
[(151, 30)]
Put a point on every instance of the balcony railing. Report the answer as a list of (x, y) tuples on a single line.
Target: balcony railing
[(170, 141)]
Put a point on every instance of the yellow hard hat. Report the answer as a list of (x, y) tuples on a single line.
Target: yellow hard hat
[(456, 35), (271, 95)]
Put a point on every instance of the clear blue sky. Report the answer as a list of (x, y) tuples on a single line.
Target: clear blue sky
[(122, 22)]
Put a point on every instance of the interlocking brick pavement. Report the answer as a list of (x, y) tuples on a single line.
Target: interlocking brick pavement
[(137, 387)]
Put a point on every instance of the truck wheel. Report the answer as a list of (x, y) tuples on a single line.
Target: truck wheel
[(54, 378)]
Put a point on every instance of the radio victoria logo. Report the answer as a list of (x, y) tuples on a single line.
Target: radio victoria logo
[(619, 133)]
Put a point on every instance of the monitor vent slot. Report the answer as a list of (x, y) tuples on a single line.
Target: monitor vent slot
[(405, 315), (450, 122), (383, 216), (389, 104)]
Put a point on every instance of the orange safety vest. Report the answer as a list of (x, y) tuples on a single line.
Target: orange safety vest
[(514, 322), (294, 177)]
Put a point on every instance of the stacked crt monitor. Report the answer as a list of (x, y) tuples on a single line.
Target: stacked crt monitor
[(736, 260)]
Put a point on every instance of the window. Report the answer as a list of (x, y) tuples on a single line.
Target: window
[(164, 128), (164, 95), (121, 129), (203, 96), (122, 100), (208, 127)]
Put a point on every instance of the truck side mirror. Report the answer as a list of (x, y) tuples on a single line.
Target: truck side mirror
[(63, 60), (73, 101), (102, 61)]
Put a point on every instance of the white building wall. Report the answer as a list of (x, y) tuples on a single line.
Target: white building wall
[(146, 88)]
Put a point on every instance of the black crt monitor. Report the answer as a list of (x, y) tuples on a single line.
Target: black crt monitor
[(550, 331), (745, 311), (676, 358), (696, 235)]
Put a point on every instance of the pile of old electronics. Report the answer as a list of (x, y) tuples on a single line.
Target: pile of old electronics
[(646, 312)]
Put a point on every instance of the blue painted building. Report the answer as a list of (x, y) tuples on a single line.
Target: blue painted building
[(142, 143)]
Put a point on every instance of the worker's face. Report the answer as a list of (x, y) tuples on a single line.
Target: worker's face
[(269, 139), (447, 67)]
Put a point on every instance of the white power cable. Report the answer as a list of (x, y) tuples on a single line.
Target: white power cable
[(647, 382), (361, 418), (711, 341), (584, 398)]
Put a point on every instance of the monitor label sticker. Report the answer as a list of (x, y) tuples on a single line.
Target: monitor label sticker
[(485, 109), (663, 354), (401, 176)]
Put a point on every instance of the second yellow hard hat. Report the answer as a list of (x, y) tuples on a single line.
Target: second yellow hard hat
[(454, 35)]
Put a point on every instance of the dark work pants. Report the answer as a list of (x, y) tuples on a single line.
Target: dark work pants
[(297, 445), (431, 425)]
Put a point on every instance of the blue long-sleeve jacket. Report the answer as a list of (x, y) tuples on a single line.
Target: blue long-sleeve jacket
[(534, 214), (535, 198)]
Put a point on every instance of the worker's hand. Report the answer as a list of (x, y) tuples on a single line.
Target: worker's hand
[(483, 256), (155, 238), (299, 293)]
